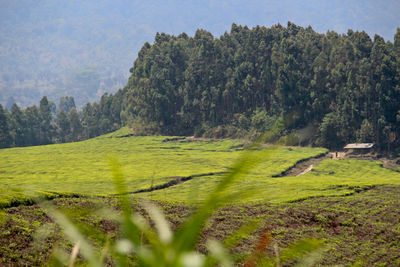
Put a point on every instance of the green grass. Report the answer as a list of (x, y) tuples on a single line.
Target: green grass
[(83, 168), (330, 178)]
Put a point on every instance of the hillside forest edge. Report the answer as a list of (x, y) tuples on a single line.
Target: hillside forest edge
[(307, 88)]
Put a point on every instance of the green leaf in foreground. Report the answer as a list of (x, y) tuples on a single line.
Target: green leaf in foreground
[(74, 235), (141, 244)]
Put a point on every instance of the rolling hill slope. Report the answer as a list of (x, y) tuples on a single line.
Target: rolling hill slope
[(176, 169)]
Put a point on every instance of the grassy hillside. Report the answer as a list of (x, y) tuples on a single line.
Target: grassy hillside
[(330, 178), (82, 167)]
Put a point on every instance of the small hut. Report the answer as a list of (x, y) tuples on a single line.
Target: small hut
[(362, 146), (359, 148)]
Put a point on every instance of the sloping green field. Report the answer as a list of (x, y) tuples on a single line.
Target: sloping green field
[(330, 178), (82, 168)]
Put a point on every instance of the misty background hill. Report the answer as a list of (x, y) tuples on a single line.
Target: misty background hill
[(85, 48)]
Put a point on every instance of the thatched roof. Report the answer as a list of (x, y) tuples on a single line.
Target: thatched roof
[(359, 146)]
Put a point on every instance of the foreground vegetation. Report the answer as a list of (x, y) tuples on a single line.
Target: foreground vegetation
[(360, 229)]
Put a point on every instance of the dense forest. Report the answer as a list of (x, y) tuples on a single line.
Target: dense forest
[(327, 89), (305, 87)]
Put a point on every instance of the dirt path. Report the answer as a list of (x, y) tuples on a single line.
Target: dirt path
[(303, 166), (306, 170)]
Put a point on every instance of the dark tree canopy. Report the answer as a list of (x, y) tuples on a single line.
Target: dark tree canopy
[(347, 87)]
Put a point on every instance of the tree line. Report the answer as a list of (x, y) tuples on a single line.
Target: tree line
[(300, 86), (46, 124)]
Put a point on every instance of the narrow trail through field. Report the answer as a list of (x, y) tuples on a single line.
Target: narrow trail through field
[(303, 166), (177, 180), (306, 170)]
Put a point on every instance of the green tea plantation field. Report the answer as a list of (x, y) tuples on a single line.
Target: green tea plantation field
[(82, 168)]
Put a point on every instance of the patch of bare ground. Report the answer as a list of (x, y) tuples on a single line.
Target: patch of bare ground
[(392, 164), (361, 228)]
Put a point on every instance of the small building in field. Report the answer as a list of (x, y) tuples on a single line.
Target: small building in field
[(359, 148), (356, 148)]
